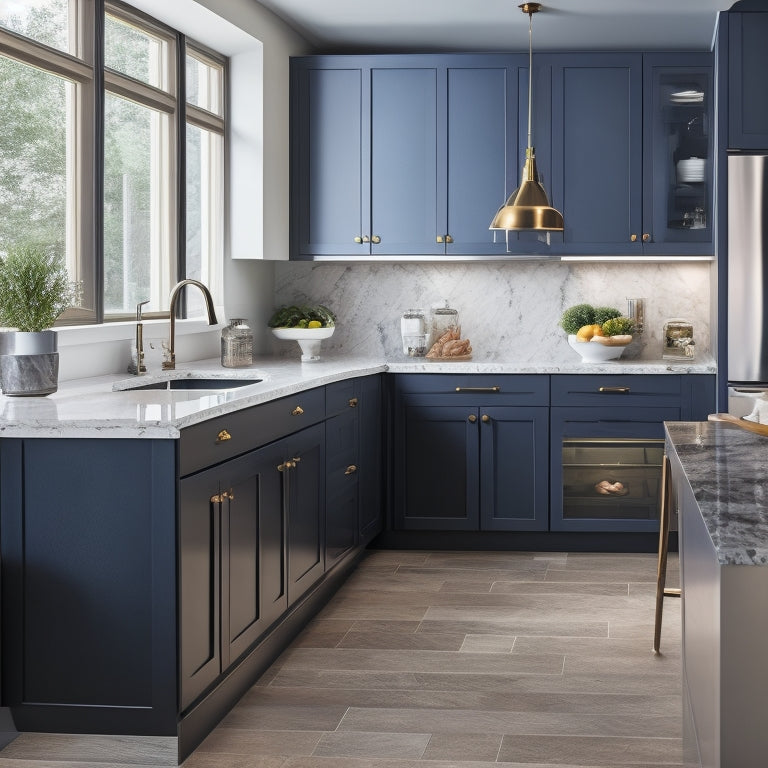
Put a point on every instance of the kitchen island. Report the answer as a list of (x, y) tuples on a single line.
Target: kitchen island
[(718, 474)]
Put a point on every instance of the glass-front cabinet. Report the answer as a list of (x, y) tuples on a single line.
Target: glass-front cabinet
[(677, 172)]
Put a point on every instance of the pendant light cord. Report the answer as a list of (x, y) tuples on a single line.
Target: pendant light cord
[(530, 77)]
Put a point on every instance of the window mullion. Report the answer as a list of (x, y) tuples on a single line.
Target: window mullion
[(141, 93), (41, 56)]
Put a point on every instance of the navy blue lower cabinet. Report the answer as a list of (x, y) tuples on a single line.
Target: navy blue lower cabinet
[(471, 453), (89, 585), (231, 580), (370, 471)]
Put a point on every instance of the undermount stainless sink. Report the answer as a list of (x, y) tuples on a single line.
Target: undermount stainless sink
[(191, 383)]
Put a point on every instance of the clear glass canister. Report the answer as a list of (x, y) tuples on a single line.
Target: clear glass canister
[(444, 318), (413, 330), (678, 340), (237, 344)]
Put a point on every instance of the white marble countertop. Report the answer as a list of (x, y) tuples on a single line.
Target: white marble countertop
[(104, 407)]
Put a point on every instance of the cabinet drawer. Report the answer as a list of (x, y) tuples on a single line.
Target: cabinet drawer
[(522, 389), (216, 440), (617, 390), (340, 396)]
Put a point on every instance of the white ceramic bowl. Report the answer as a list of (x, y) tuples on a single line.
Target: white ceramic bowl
[(308, 339), (594, 351)]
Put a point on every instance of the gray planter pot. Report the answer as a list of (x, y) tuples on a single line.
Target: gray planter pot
[(29, 363)]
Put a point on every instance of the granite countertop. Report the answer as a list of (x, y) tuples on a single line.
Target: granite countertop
[(727, 469), (105, 406)]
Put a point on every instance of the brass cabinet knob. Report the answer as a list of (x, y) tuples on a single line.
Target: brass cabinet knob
[(486, 418), (297, 411), (223, 436), (223, 496), (375, 239), (350, 470), (646, 237), (633, 238), (448, 239), (353, 402), (366, 239), (296, 460), (439, 239), (290, 464), (472, 418), (358, 239)]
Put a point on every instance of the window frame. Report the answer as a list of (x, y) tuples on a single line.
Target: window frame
[(94, 81)]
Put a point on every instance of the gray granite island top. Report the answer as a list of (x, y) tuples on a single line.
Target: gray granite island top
[(727, 469), (105, 406)]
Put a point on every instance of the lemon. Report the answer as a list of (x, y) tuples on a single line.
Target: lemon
[(586, 332), (314, 324)]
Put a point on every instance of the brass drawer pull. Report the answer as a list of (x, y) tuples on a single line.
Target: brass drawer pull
[(614, 390), (223, 496), (350, 470), (223, 436), (478, 389), (297, 411), (285, 465), (353, 402)]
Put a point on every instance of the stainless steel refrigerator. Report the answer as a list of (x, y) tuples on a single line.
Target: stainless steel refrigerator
[(747, 280)]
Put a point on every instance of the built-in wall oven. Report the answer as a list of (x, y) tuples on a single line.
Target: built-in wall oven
[(607, 451)]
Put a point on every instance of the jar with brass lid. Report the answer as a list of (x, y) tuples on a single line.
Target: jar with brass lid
[(678, 340)]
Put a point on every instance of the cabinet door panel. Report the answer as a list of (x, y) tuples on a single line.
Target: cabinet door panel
[(404, 161), (748, 88), (199, 585), (514, 492), (333, 208), (253, 500), (438, 469), (306, 518), (370, 469), (597, 144), (477, 151)]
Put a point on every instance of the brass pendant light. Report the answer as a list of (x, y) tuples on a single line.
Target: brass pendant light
[(528, 207)]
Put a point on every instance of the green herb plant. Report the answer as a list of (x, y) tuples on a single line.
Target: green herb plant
[(302, 317), (34, 288), (618, 326)]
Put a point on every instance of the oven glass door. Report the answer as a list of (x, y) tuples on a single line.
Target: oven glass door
[(611, 479)]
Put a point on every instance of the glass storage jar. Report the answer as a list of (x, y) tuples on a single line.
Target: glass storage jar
[(237, 344), (444, 318), (678, 340)]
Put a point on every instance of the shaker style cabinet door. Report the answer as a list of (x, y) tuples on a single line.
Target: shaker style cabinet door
[(747, 83), (404, 161), (330, 201), (478, 175), (598, 152)]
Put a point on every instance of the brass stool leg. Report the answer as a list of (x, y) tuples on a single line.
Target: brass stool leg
[(661, 571)]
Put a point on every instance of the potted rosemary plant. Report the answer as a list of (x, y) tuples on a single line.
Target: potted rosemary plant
[(34, 290)]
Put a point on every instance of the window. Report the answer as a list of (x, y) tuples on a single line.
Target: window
[(136, 203)]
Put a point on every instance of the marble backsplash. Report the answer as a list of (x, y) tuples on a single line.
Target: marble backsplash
[(510, 310)]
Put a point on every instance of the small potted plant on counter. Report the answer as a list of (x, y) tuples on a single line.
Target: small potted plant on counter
[(598, 334), (307, 325), (34, 290)]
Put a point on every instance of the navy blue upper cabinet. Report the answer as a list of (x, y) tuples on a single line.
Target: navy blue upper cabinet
[(632, 153), (330, 197), (677, 153), (389, 157), (404, 161), (597, 151), (747, 83)]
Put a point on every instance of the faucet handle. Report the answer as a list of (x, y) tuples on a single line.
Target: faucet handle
[(138, 309)]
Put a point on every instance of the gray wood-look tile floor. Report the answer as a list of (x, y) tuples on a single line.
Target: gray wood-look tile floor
[(453, 660)]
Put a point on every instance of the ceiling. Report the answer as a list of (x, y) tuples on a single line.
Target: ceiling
[(499, 25)]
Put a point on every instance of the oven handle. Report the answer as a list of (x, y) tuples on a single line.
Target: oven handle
[(614, 390)]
